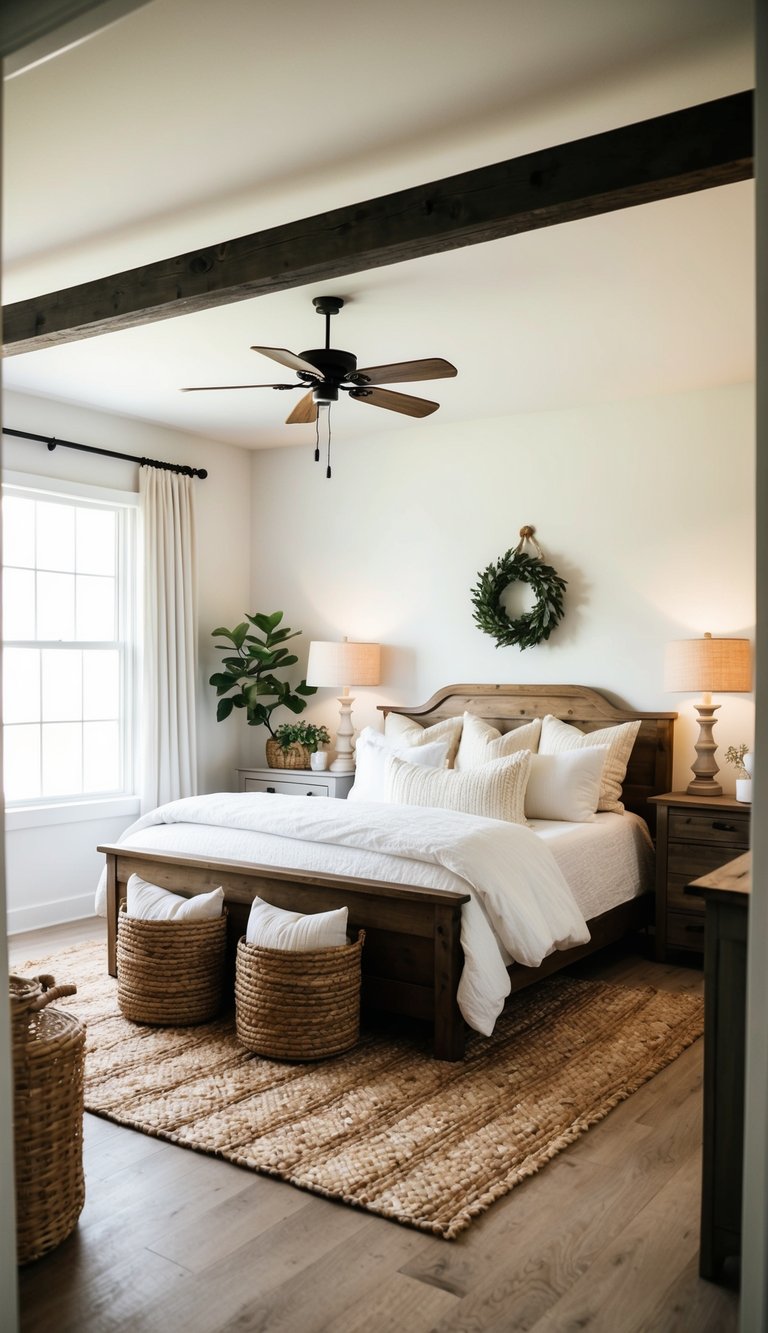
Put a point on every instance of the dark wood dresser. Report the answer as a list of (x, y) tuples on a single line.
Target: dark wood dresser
[(725, 895)]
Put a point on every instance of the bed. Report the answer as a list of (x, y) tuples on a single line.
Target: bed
[(413, 961)]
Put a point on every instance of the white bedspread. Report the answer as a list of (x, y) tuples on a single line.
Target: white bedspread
[(520, 907)]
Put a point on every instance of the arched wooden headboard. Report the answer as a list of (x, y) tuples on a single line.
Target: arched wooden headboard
[(649, 772)]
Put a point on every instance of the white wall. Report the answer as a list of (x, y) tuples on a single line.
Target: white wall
[(52, 871), (646, 507)]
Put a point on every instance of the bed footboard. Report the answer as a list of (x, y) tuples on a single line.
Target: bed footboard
[(412, 957)]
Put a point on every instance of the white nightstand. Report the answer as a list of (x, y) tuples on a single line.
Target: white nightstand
[(294, 781)]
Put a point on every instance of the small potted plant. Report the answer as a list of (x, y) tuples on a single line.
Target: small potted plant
[(296, 743), (742, 760)]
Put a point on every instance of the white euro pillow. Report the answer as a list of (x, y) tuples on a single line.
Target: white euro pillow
[(480, 742), (149, 902), (565, 786), (404, 731), (371, 753), (272, 927), (495, 790), (557, 736)]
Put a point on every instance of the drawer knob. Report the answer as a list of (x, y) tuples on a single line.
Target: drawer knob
[(309, 793), (271, 789), (723, 827)]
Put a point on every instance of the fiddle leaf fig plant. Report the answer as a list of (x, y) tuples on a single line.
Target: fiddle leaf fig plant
[(248, 676)]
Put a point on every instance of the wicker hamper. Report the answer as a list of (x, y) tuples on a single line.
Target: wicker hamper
[(301, 1005), (170, 973), (48, 1049)]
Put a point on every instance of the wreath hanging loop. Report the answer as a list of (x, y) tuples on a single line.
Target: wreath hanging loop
[(517, 566)]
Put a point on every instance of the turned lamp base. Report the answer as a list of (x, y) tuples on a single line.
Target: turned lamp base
[(705, 769)]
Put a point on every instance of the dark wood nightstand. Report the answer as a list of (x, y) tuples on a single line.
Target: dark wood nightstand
[(694, 835)]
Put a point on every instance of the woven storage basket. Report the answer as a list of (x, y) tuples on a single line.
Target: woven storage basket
[(301, 1005), (170, 973), (295, 756), (48, 1063)]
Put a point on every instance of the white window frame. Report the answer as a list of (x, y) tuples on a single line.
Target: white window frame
[(45, 810)]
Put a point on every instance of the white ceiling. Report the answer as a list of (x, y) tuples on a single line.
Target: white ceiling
[(187, 124)]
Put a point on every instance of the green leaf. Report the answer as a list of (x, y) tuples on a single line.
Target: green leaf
[(224, 709)]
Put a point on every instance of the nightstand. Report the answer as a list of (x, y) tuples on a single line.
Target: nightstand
[(694, 835), (295, 781)]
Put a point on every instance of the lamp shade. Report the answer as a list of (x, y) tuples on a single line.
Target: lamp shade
[(343, 663), (712, 666)]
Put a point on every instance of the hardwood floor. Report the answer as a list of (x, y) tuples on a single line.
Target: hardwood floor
[(604, 1238)]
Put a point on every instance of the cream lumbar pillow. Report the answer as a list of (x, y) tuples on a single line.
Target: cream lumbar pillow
[(151, 903), (565, 786), (495, 791), (371, 753), (272, 927), (404, 731), (480, 742), (557, 736)]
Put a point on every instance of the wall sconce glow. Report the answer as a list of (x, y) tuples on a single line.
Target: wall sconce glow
[(344, 664), (707, 665)]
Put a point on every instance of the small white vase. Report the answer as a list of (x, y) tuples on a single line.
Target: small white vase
[(318, 761), (744, 790)]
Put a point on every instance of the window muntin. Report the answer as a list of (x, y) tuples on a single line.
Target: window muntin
[(69, 577)]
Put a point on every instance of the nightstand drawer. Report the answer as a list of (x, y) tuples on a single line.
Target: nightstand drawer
[(680, 901), (685, 931), (726, 829), (689, 860), (286, 788)]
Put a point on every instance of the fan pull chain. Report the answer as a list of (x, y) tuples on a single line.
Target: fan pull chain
[(328, 468), (317, 438)]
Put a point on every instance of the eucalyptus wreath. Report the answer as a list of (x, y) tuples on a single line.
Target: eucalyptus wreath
[(533, 626)]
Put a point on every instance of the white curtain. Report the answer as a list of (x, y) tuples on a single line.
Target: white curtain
[(169, 745)]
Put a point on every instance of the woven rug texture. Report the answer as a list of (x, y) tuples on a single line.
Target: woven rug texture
[(384, 1127)]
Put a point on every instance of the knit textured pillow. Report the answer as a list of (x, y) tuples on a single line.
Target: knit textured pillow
[(557, 736), (495, 791), (480, 742)]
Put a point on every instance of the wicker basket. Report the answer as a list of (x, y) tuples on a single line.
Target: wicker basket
[(170, 973), (298, 1005), (48, 1063), (295, 756)]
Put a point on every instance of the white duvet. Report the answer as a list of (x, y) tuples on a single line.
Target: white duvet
[(521, 908)]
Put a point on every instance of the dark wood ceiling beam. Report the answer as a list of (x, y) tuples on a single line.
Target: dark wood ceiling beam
[(694, 149)]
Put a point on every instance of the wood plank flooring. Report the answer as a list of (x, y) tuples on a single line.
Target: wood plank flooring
[(604, 1238)]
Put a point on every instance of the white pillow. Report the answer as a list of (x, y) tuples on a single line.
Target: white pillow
[(151, 903), (404, 731), (371, 753), (275, 928), (481, 742), (557, 736), (496, 790), (565, 786)]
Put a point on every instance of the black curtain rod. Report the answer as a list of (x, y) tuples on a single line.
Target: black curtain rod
[(53, 443)]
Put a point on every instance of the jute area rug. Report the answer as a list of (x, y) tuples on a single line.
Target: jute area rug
[(385, 1127)]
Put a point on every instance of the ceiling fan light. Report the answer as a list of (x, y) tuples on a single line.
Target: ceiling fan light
[(325, 394)]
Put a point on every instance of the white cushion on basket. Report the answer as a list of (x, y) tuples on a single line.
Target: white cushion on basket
[(151, 903), (275, 928), (565, 786), (480, 742), (371, 753)]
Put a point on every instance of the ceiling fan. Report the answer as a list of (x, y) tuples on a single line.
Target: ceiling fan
[(325, 370)]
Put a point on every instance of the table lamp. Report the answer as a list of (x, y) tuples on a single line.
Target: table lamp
[(344, 664), (721, 666)]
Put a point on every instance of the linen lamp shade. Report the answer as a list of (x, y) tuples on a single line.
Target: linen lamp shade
[(707, 666)]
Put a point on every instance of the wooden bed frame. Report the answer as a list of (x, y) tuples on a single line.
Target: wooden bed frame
[(412, 958)]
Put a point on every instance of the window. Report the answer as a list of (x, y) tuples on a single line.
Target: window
[(69, 577)]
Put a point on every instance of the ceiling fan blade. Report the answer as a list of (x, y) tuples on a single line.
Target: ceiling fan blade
[(304, 411), (206, 388), (402, 372), (397, 402), (287, 358)]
